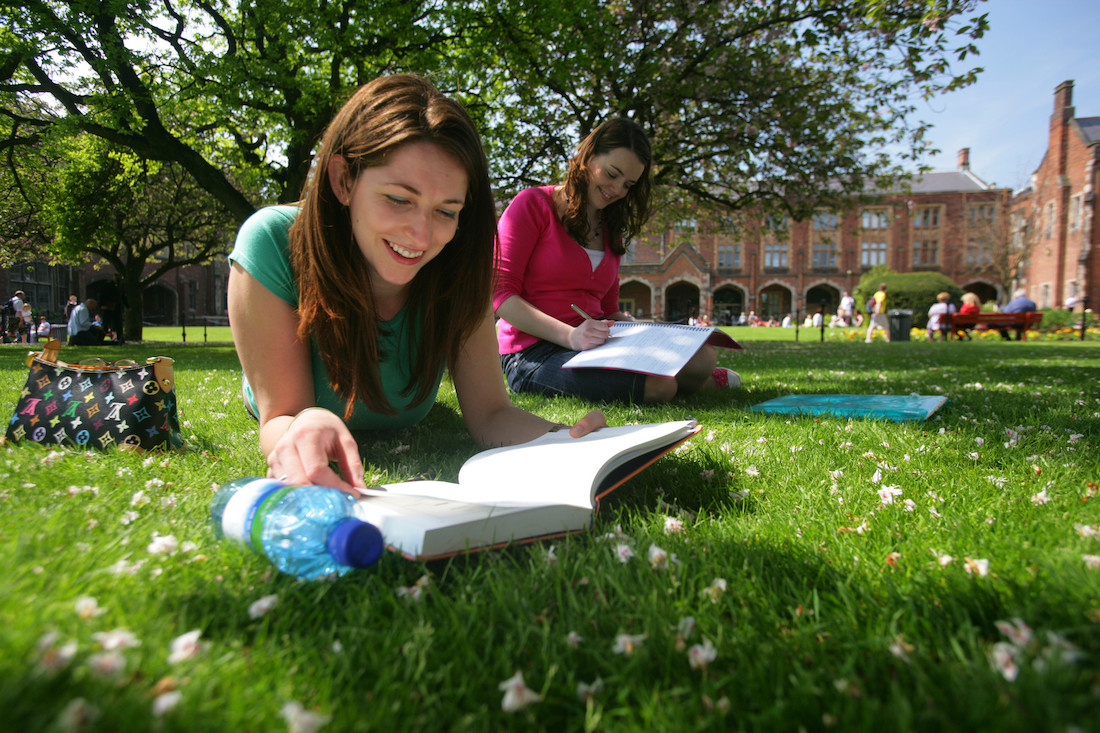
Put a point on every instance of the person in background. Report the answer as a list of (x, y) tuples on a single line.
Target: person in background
[(877, 314), (347, 307), (44, 329), (28, 322), (559, 249), (81, 332), (1020, 303), (72, 303), (936, 323), (971, 305)]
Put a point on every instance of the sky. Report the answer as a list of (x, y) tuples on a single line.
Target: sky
[(1032, 46)]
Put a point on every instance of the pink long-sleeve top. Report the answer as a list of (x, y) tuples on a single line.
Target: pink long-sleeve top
[(538, 261)]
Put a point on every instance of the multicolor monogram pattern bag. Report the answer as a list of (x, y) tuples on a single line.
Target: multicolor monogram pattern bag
[(126, 404)]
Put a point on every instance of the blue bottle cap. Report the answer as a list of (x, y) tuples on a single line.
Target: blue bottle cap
[(355, 543)]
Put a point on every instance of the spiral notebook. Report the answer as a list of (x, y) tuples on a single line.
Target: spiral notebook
[(650, 348), (887, 407)]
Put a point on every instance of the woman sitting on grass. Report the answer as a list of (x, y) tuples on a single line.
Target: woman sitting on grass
[(346, 307)]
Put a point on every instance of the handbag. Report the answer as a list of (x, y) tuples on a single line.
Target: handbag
[(97, 405)]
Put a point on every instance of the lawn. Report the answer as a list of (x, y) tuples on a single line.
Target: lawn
[(822, 573)]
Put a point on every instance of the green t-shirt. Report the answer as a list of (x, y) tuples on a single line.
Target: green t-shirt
[(263, 250)]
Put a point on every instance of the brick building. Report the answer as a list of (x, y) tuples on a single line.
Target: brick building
[(952, 222), (1054, 220)]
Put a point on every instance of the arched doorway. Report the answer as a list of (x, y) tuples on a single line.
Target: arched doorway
[(681, 301), (159, 305), (636, 299), (729, 301), (822, 292), (775, 302), (983, 290)]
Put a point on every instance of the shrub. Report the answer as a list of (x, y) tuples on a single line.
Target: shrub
[(915, 291)]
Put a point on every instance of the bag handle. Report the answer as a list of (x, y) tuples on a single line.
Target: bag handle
[(163, 370)]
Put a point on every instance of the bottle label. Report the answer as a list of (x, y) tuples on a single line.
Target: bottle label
[(241, 508), (259, 511)]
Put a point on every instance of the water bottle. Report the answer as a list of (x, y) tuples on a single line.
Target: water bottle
[(307, 531)]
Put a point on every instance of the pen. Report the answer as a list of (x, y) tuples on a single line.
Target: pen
[(586, 316)]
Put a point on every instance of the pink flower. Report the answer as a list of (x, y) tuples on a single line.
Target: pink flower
[(623, 552), (1003, 658), (673, 525), (1018, 632), (1092, 562), (1040, 498), (659, 559), (517, 695), (184, 647), (887, 494), (573, 639), (700, 655)]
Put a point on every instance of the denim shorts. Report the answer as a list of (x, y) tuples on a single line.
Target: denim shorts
[(537, 369)]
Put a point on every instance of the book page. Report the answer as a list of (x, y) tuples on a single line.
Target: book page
[(649, 348), (558, 469)]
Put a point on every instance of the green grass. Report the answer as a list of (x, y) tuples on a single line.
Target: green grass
[(820, 626)]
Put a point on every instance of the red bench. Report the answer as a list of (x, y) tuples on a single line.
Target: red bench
[(1020, 321)]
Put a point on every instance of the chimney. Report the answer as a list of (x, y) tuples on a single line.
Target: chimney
[(964, 159), (1063, 102)]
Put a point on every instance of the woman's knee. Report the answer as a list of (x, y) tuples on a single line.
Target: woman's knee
[(660, 389)]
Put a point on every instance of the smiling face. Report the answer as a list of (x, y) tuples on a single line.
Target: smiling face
[(610, 176), (402, 213)]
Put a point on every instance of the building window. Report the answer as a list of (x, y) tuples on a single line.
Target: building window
[(1075, 213), (775, 255), (777, 222), (926, 252), (824, 220), (979, 253), (824, 255), (1048, 220), (1044, 296), (729, 256), (684, 226), (982, 213), (872, 253), (875, 219), (926, 217)]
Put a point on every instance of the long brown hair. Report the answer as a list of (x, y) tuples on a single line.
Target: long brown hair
[(449, 297), (624, 218)]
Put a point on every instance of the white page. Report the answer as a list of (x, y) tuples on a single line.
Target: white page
[(649, 348)]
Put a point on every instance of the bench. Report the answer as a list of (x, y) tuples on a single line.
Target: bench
[(1020, 321)]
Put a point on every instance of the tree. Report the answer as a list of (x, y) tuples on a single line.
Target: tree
[(783, 103), (144, 218)]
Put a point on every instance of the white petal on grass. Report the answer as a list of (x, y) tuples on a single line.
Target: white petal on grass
[(88, 608), (700, 655), (164, 703), (116, 639), (517, 695), (300, 720), (184, 647), (263, 606)]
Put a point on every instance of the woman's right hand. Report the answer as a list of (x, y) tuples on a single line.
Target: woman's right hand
[(316, 442), (589, 335)]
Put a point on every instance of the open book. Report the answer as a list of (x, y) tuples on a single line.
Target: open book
[(651, 348), (546, 487)]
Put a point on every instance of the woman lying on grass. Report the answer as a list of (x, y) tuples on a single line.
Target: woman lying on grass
[(346, 307)]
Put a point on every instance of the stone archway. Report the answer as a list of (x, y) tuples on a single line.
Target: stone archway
[(681, 302), (823, 292), (985, 291), (775, 301), (636, 298), (729, 302)]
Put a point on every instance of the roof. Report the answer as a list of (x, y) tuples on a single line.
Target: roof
[(948, 181), (1090, 127)]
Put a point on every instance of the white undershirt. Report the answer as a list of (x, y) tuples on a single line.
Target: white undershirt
[(596, 255)]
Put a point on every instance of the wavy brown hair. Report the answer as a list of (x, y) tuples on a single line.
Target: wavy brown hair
[(450, 295), (624, 218)]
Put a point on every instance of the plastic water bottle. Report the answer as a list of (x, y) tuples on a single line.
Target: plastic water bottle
[(307, 531)]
